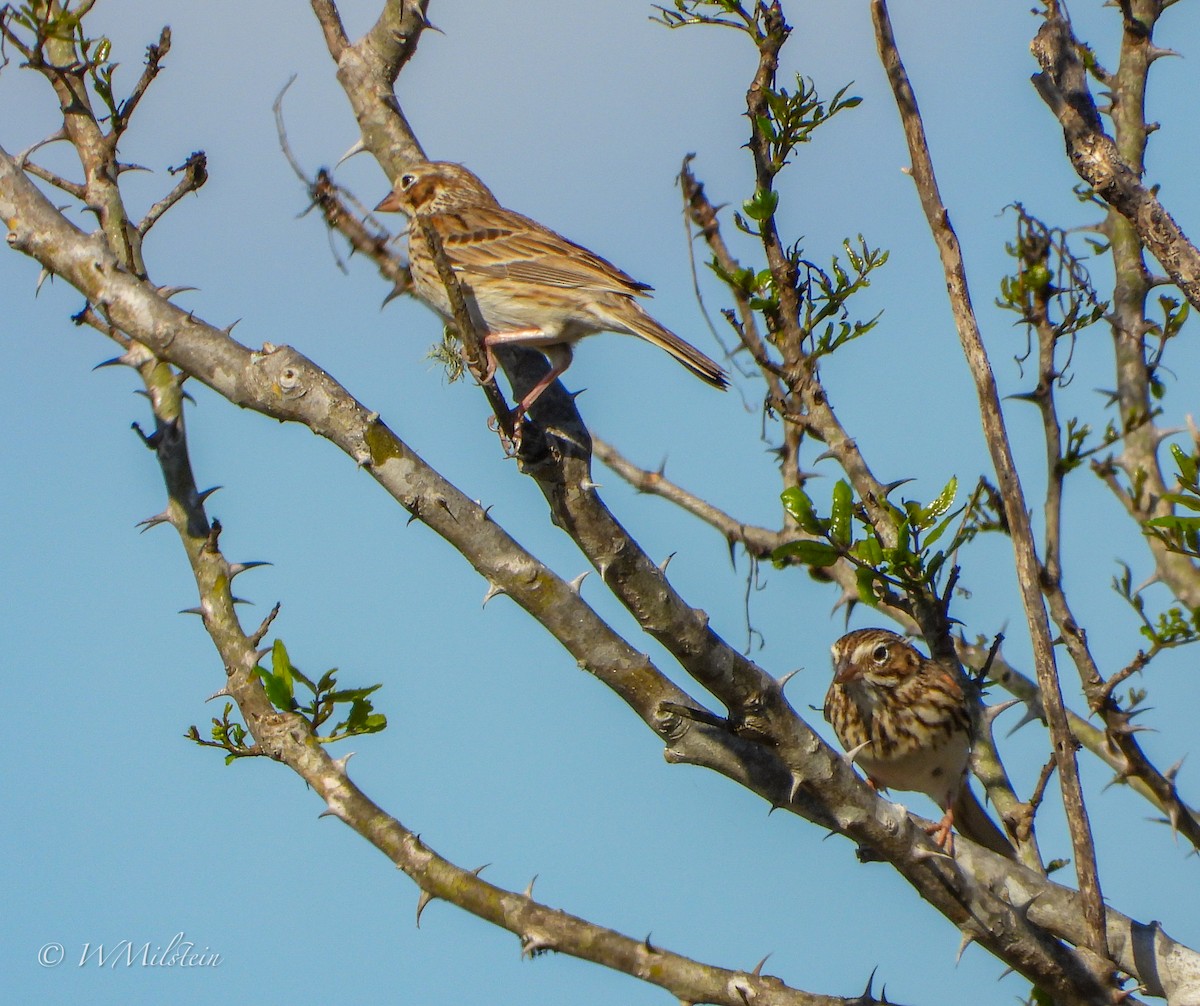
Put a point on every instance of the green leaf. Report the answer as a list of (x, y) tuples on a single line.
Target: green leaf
[(281, 665), (1175, 523), (840, 513), (761, 205), (1191, 502), (865, 580), (938, 531), (800, 507), (278, 691), (810, 553), (945, 499), (1186, 463), (868, 550)]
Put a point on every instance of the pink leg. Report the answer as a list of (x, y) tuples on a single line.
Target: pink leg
[(559, 354), (516, 335), (941, 835)]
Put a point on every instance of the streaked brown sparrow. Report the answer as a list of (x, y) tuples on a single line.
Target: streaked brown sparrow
[(911, 714), (523, 283)]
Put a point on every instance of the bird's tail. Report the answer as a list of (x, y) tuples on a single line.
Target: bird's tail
[(637, 322), (973, 822)]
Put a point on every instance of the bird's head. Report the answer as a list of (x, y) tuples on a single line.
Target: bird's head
[(435, 187)]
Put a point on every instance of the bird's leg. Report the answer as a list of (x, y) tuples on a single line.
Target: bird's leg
[(940, 832), (513, 336), (559, 354)]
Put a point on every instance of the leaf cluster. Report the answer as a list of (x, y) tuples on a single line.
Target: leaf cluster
[(910, 565), (280, 685), (1180, 533)]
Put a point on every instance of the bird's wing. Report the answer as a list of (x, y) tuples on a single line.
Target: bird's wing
[(492, 241)]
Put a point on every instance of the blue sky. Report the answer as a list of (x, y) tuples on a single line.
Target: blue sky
[(499, 750)]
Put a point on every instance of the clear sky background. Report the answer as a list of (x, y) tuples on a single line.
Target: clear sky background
[(499, 750)]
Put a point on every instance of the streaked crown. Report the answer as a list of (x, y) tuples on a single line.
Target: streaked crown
[(437, 187), (877, 656)]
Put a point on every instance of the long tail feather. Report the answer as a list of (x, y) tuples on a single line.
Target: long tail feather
[(973, 822), (637, 322)]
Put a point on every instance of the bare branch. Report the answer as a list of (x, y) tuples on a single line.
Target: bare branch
[(1062, 85), (1007, 479), (195, 174)]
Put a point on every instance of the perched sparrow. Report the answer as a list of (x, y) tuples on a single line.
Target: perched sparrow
[(523, 283), (912, 715)]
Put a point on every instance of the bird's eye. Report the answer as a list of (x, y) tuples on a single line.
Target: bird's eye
[(407, 180), (879, 654)]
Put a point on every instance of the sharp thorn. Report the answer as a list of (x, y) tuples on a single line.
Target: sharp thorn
[(42, 277), (224, 693), (855, 751), (921, 854), (479, 869), (967, 940), (192, 611), (149, 522), (529, 887), (393, 293), (342, 762), (422, 901), (757, 972), (662, 566), (358, 148), (492, 591), (237, 568), (577, 583), (991, 712), (203, 496), (1029, 716), (167, 292), (788, 677), (868, 992)]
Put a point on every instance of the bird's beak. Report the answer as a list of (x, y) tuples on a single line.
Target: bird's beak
[(845, 670), (389, 204)]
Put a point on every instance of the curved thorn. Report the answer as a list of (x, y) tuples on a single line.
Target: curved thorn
[(237, 568), (577, 583), (991, 712), (782, 682), (422, 901), (358, 148), (149, 522), (492, 591)]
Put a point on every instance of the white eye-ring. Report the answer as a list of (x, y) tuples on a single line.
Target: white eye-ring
[(879, 654), (407, 180)]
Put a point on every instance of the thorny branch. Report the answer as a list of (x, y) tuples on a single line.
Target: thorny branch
[(280, 382)]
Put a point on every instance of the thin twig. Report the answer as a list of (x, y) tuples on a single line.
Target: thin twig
[(195, 174)]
